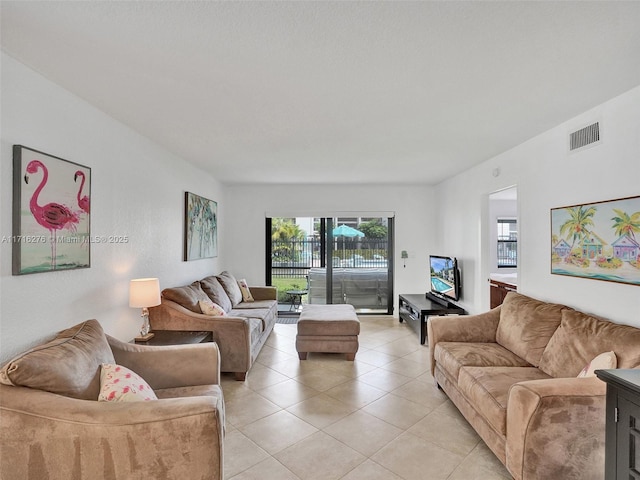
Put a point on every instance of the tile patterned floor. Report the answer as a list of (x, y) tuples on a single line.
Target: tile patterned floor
[(378, 418)]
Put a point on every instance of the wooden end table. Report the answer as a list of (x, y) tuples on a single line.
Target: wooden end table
[(176, 337)]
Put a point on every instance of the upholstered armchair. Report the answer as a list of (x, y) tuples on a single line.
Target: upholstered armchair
[(53, 427)]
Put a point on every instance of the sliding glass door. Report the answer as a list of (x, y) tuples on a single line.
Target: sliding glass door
[(331, 260)]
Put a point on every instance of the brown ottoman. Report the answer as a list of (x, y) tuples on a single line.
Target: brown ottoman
[(328, 329)]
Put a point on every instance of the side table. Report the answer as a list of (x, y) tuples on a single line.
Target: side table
[(177, 337)]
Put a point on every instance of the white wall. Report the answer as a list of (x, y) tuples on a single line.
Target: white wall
[(247, 206), (137, 190), (547, 177)]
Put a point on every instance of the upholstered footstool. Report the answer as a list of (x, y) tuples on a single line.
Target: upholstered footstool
[(328, 329)]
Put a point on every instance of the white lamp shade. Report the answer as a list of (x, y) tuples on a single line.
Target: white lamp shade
[(144, 292)]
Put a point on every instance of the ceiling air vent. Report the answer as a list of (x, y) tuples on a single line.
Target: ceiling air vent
[(585, 136)]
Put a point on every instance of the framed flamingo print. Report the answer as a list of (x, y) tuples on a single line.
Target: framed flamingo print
[(599, 240), (51, 213)]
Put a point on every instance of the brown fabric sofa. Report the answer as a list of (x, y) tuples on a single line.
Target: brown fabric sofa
[(512, 373), (240, 333), (52, 426)]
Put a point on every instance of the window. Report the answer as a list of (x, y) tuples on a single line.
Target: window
[(507, 243)]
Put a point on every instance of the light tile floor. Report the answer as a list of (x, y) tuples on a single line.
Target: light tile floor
[(378, 418)]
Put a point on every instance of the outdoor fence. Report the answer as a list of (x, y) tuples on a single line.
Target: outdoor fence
[(294, 258)]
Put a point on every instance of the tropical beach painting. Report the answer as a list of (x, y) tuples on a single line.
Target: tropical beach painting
[(201, 227), (600, 240), (51, 213)]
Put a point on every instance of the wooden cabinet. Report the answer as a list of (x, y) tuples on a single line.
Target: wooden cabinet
[(622, 450), (498, 291)]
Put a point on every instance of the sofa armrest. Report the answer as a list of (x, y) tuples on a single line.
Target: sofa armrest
[(51, 436), (556, 419), (232, 334), (479, 328), (170, 366), (264, 293)]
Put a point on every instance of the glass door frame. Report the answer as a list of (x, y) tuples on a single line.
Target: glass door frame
[(326, 258)]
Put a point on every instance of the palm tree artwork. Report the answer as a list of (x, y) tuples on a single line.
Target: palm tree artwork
[(201, 227), (598, 241), (625, 224), (577, 226)]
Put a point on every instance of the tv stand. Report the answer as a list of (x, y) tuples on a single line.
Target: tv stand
[(416, 308), (441, 301)]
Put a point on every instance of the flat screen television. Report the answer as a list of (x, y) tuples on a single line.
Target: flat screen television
[(444, 277)]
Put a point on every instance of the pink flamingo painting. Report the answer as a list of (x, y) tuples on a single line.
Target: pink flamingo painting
[(52, 216), (83, 202)]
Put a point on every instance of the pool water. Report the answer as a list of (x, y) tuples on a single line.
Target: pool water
[(440, 285)]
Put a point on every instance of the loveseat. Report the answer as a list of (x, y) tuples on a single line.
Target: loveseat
[(513, 373), (240, 325), (53, 427)]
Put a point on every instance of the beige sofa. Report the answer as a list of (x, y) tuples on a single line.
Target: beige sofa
[(240, 333), (52, 426), (512, 373)]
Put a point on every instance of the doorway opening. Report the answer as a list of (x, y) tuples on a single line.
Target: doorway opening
[(503, 244)]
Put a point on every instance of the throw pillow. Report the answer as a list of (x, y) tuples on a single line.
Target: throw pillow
[(68, 365), (230, 285), (246, 293), (603, 361), (210, 308), (119, 384)]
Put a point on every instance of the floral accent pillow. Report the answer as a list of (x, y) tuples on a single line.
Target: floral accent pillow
[(119, 384), (246, 293), (211, 308), (603, 361)]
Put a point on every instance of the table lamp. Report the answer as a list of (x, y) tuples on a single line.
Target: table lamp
[(144, 293)]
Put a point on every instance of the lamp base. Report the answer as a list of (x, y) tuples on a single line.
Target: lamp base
[(144, 338)]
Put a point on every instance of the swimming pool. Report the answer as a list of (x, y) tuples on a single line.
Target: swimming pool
[(440, 285)]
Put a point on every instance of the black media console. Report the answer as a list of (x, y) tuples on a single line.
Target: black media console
[(416, 308)]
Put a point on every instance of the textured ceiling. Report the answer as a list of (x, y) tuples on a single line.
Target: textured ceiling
[(332, 92)]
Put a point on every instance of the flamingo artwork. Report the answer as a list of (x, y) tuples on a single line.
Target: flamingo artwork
[(83, 201), (52, 216)]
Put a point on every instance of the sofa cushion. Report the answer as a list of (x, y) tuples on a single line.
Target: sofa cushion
[(187, 296), (454, 355), (213, 288), (68, 365), (119, 384), (260, 314), (487, 388), (197, 391), (257, 304), (581, 337), (526, 325), (230, 285)]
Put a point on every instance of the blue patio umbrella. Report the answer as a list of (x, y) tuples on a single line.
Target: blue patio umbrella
[(346, 231)]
